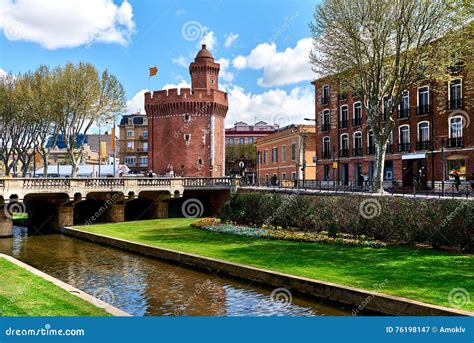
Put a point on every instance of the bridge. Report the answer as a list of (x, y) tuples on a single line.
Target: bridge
[(53, 203)]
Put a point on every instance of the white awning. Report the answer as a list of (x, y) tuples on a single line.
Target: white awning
[(413, 156)]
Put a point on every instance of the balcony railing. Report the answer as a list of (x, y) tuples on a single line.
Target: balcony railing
[(371, 150), (357, 121), (455, 104), (326, 154), (423, 145), (403, 113), (423, 109), (325, 127), (344, 152), (404, 147), (325, 100), (455, 142), (343, 124), (357, 152)]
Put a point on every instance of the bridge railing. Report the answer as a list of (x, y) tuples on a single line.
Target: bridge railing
[(104, 183), (46, 183), (207, 182), (152, 182)]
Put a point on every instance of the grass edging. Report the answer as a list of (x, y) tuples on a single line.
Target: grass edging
[(378, 302), (68, 288)]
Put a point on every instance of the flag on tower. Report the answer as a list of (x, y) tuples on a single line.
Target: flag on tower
[(153, 71)]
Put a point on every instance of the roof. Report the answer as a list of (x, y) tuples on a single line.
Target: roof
[(204, 53)]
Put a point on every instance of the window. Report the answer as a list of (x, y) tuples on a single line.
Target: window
[(250, 140), (423, 100), (293, 151), (455, 95), (344, 145), (283, 153), (265, 157), (145, 146), (423, 142), (370, 142), (283, 176), (456, 166), (326, 147), (327, 172), (455, 132), (387, 105), (325, 121), (199, 162), (145, 134), (187, 117), (130, 160), (293, 176), (357, 151), (241, 140), (404, 138), (357, 114), (129, 133), (187, 138), (404, 108), (275, 155), (143, 161), (325, 95), (130, 145), (231, 140), (344, 117)]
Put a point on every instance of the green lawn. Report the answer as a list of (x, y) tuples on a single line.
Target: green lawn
[(424, 275), (25, 294)]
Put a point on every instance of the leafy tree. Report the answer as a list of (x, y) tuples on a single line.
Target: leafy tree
[(379, 48)]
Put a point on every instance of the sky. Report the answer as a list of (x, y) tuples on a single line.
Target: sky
[(262, 47)]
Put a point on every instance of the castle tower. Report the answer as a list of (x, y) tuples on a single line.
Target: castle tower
[(186, 127)]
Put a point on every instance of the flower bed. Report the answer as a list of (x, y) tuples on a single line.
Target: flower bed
[(215, 225)]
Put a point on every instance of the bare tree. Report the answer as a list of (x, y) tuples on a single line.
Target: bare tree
[(380, 47), (83, 97)]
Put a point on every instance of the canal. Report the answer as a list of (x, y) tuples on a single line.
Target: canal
[(145, 286)]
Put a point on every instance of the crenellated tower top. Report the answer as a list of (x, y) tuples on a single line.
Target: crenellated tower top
[(204, 71)]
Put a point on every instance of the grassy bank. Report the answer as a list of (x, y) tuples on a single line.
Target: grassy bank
[(424, 275), (25, 294)]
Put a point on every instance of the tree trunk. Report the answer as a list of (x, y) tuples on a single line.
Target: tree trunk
[(379, 165)]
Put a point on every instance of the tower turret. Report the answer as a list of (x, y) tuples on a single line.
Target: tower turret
[(204, 71)]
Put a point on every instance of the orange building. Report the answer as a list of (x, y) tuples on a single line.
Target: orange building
[(287, 155)]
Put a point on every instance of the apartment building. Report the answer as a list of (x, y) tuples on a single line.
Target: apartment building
[(133, 142)]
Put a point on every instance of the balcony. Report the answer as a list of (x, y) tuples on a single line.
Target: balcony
[(455, 104), (344, 124), (389, 148), (423, 145), (325, 100), (344, 152), (326, 154), (404, 147), (357, 121), (403, 113), (455, 142), (325, 127), (371, 150), (423, 109), (357, 152)]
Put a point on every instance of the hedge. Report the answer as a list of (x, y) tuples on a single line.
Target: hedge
[(434, 222)]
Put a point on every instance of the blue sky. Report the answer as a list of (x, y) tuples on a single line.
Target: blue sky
[(262, 46)]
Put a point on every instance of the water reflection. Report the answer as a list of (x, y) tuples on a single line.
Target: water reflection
[(147, 287)]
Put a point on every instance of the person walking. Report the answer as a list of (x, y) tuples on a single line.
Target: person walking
[(457, 180)]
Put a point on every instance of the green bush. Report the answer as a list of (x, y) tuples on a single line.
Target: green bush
[(432, 222)]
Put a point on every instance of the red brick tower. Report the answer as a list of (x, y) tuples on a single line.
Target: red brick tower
[(186, 126)]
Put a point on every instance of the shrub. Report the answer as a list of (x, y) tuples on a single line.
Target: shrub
[(433, 222)]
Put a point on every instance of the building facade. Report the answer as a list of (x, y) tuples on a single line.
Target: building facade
[(243, 133), (133, 142), (287, 155), (187, 125), (432, 138)]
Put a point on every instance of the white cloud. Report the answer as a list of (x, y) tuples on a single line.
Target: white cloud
[(279, 68), (67, 24), (209, 39), (224, 74), (180, 12), (181, 61), (273, 106), (2, 72), (230, 39), (181, 84), (137, 103)]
